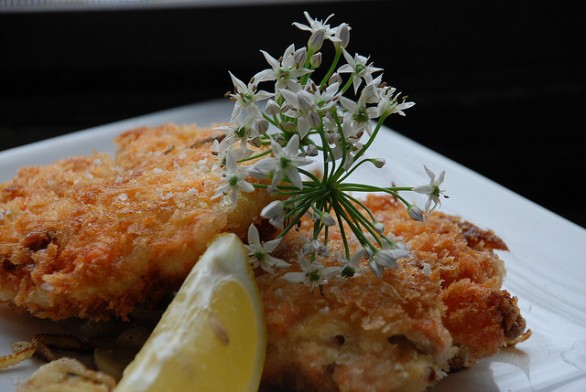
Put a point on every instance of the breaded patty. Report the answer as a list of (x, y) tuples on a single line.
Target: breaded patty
[(95, 236), (440, 310)]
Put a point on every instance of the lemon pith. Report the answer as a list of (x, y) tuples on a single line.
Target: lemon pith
[(212, 336)]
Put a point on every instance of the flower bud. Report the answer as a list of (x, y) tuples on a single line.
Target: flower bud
[(328, 220), (369, 93), (215, 146), (378, 162), (379, 227), (311, 151), (335, 78), (304, 100), (415, 213), (316, 60), (261, 126), (275, 213), (272, 108), (314, 120), (316, 40), (299, 57), (255, 141), (273, 209), (343, 34), (289, 127)]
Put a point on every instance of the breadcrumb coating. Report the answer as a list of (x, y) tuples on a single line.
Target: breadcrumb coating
[(440, 310), (95, 236)]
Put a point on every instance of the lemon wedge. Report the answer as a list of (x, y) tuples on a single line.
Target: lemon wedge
[(212, 337)]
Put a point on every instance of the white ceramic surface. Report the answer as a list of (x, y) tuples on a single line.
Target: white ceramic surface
[(546, 263)]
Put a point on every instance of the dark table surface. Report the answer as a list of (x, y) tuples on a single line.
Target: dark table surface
[(499, 85)]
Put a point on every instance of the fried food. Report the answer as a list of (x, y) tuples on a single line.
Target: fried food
[(441, 310), (67, 375), (95, 236)]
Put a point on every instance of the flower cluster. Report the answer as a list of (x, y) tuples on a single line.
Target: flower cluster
[(274, 135)]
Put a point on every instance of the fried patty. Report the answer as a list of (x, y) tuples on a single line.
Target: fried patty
[(441, 310), (95, 236)]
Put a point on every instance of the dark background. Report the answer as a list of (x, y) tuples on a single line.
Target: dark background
[(499, 85)]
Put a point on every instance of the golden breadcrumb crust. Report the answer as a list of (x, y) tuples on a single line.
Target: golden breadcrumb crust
[(440, 310), (94, 236)]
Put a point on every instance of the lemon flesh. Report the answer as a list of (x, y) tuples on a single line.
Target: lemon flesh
[(212, 336)]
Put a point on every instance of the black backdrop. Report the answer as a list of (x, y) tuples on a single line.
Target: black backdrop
[(499, 85)]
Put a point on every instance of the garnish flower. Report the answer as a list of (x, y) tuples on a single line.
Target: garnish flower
[(284, 164), (313, 273), (235, 180), (359, 69), (320, 31), (260, 252), (287, 71), (309, 119), (246, 97), (432, 190)]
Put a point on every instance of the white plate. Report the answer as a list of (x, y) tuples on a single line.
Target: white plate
[(546, 263)]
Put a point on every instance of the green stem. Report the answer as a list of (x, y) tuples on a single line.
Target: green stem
[(310, 175), (347, 85), (342, 232), (252, 157), (360, 219), (333, 66), (351, 222), (393, 191), (379, 123)]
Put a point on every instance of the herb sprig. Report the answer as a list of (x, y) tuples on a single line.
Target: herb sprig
[(333, 121)]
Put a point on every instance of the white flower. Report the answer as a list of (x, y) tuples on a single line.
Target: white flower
[(390, 104), (309, 105), (432, 190), (359, 111), (323, 99), (284, 163), (353, 266), (301, 106), (259, 252), (245, 98), (320, 31), (244, 134), (313, 273), (287, 71), (359, 69), (386, 258), (234, 180), (315, 247)]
